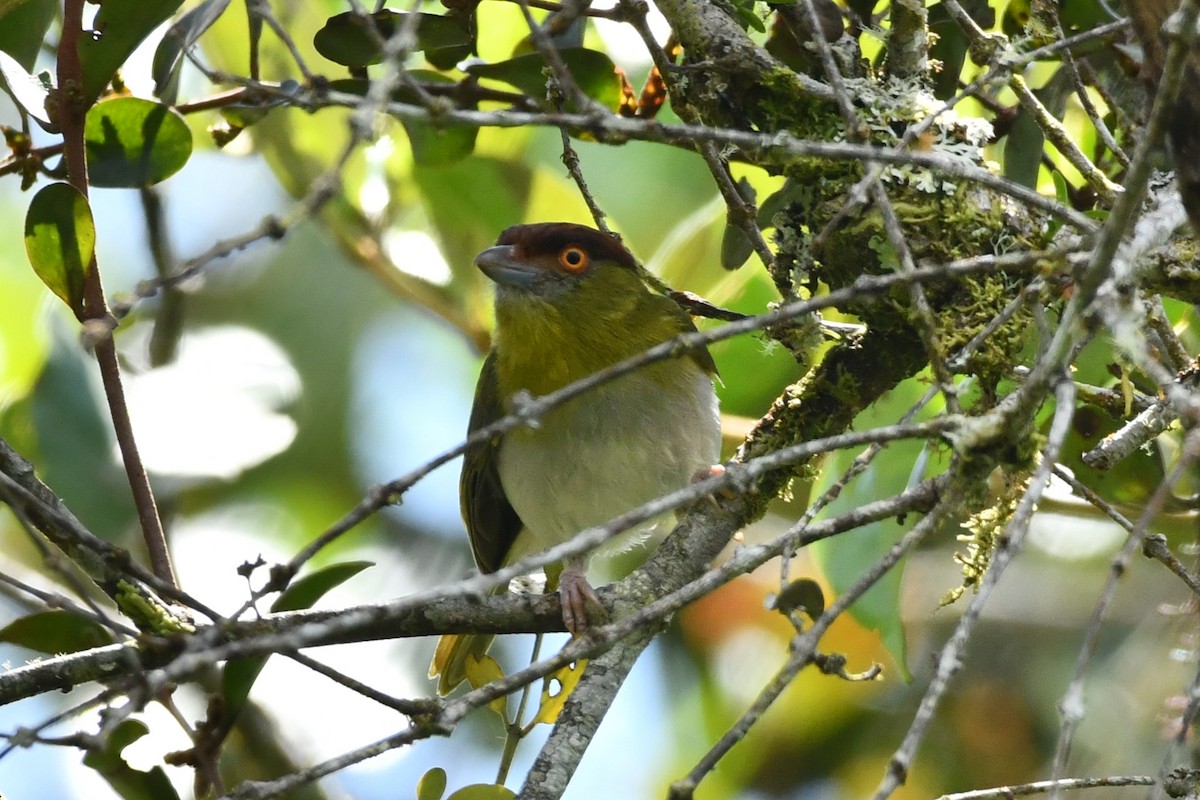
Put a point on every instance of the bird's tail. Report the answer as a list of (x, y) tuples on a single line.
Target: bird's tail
[(450, 660)]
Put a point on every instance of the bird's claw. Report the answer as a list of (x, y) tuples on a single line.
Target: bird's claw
[(714, 471), (581, 605)]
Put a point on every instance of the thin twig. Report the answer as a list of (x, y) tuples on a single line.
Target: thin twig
[(1156, 547), (1041, 787)]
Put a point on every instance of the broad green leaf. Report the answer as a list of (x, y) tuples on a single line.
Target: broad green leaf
[(483, 791), (305, 592), (1023, 150), (8, 6), (29, 91), (71, 436), (736, 247), (56, 631), (60, 239), (432, 784), (133, 143), (129, 783), (436, 145), (844, 559), (240, 673), (439, 145), (176, 41), (119, 27), (592, 70), (345, 40), (553, 701), (1024, 144), (24, 27), (433, 145)]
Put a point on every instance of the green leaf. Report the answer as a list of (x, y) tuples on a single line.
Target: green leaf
[(777, 201), (844, 559), (27, 90), (747, 15), (1023, 150), (433, 144), (306, 591), (175, 42), (736, 247), (345, 40), (8, 6), (133, 143), (240, 673), (55, 631), (438, 146), (24, 27), (60, 239), (1025, 142), (120, 26), (483, 791), (432, 784), (592, 70), (129, 783)]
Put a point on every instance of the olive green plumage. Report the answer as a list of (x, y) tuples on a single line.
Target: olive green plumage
[(570, 302)]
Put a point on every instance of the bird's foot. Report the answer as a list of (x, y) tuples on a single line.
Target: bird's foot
[(715, 471), (581, 605), (704, 473)]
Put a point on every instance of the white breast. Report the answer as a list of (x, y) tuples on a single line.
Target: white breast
[(607, 451)]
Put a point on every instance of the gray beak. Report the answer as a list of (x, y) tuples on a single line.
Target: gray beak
[(501, 265)]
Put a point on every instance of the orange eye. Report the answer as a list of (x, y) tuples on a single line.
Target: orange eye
[(573, 258)]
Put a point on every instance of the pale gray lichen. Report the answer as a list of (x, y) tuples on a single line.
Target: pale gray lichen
[(887, 106)]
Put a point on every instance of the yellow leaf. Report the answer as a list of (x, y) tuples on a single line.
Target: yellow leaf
[(482, 670), (552, 702)]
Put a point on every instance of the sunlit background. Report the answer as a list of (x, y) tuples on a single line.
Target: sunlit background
[(303, 377)]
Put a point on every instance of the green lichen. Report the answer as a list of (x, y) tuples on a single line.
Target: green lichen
[(985, 530), (773, 102), (149, 613), (962, 321)]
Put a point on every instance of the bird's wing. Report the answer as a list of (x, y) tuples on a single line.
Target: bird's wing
[(701, 356), (492, 523)]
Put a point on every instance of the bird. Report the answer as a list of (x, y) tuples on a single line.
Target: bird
[(571, 300)]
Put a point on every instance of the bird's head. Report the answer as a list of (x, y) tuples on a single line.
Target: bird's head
[(558, 263), (570, 301)]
